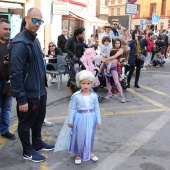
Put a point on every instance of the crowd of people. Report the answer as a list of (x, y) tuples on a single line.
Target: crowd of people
[(136, 48)]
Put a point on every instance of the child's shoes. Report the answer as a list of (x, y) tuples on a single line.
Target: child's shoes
[(122, 99), (109, 95), (99, 74), (94, 158), (108, 74), (77, 160)]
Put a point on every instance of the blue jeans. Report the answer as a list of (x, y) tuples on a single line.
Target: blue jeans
[(5, 110)]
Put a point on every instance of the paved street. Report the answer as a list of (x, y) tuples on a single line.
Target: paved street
[(134, 135)]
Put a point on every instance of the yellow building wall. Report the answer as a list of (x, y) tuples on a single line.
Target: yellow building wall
[(122, 10), (37, 4), (146, 4)]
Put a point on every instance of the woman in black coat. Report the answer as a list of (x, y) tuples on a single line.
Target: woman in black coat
[(137, 46), (74, 46)]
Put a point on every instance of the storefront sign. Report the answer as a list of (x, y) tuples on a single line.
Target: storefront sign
[(131, 8), (60, 8)]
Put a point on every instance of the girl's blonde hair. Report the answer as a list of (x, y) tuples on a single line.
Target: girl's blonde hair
[(84, 75)]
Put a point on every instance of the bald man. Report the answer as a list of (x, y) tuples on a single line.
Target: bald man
[(29, 81)]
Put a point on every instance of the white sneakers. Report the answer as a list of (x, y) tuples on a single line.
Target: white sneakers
[(47, 123), (53, 80)]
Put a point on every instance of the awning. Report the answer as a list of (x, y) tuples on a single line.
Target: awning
[(10, 5), (75, 2), (83, 15)]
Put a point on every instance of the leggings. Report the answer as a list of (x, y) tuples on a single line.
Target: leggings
[(115, 77)]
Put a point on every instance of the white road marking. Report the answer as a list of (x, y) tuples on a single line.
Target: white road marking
[(136, 142)]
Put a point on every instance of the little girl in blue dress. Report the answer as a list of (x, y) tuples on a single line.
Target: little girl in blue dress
[(83, 118)]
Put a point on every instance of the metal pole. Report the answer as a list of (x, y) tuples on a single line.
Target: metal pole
[(130, 21)]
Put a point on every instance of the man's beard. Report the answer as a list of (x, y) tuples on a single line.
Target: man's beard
[(4, 38)]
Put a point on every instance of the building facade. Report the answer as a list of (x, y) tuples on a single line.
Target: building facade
[(145, 10), (116, 12)]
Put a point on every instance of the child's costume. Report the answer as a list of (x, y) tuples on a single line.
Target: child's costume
[(105, 51), (84, 114), (88, 59)]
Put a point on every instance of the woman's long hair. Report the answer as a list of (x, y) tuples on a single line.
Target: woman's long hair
[(117, 39), (133, 34)]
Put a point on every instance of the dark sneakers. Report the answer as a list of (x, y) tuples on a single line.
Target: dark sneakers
[(36, 157), (8, 135), (47, 147)]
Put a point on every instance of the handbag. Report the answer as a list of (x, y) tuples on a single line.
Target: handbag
[(141, 58), (7, 89)]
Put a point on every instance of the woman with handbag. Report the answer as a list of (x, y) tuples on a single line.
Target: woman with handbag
[(136, 57)]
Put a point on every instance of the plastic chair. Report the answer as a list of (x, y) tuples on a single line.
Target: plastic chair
[(58, 69)]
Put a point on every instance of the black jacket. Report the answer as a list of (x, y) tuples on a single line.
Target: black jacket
[(24, 67), (71, 47), (165, 39), (62, 42), (133, 50)]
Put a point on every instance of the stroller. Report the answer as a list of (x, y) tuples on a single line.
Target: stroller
[(72, 76)]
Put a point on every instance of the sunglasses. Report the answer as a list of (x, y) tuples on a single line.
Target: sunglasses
[(114, 24), (107, 27), (34, 21), (51, 45)]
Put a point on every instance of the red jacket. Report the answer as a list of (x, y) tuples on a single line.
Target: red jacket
[(150, 45)]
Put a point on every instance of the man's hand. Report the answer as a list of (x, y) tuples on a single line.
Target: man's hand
[(23, 108), (6, 62)]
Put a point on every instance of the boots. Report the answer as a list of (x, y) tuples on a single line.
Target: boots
[(128, 85), (136, 85)]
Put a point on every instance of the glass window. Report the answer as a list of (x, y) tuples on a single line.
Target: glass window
[(113, 2), (118, 11), (163, 7), (112, 11)]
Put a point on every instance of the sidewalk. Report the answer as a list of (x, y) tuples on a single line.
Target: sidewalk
[(53, 94)]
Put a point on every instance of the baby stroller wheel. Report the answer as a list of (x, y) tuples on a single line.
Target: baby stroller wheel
[(101, 99)]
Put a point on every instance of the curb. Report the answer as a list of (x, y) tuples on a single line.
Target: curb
[(57, 101)]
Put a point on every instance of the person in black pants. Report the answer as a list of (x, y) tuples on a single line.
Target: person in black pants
[(137, 47), (28, 78)]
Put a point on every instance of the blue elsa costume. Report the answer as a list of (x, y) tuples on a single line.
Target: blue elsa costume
[(79, 139)]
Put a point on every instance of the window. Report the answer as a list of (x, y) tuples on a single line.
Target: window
[(112, 11), (119, 1), (118, 11), (152, 9), (163, 7), (106, 2), (112, 2)]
